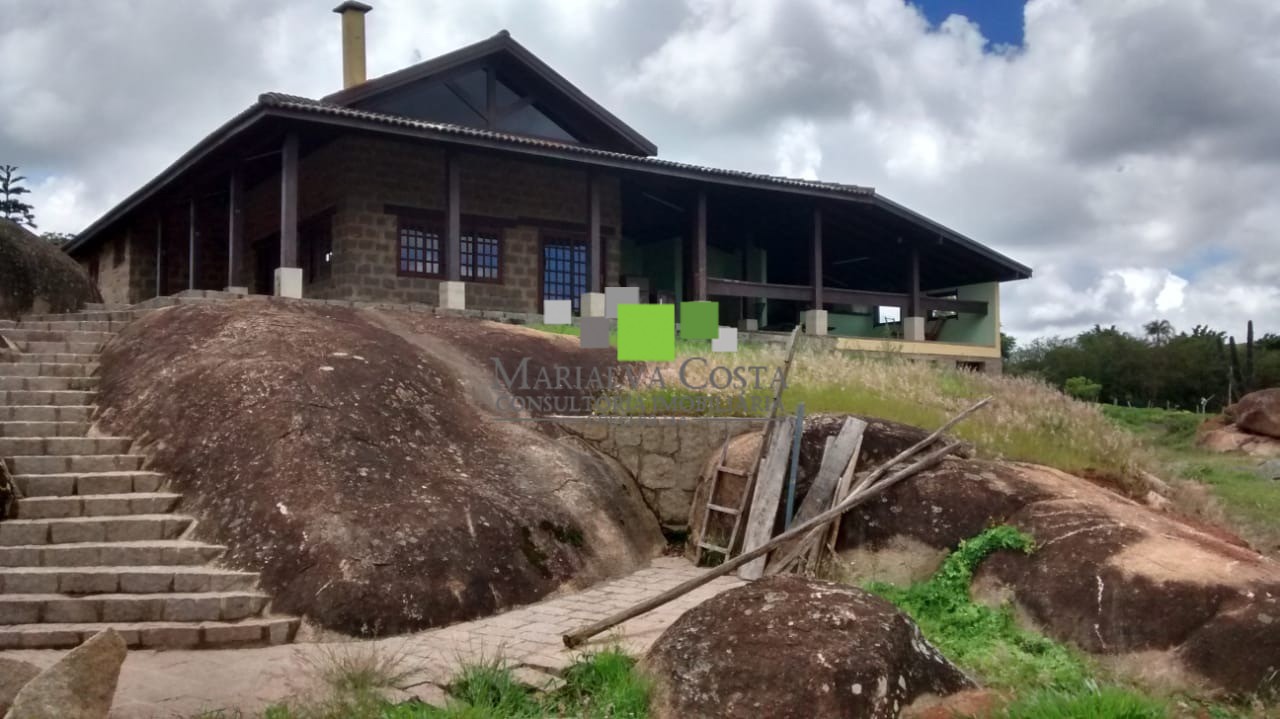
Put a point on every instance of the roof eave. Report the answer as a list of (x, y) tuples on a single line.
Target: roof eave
[(1019, 270), (201, 150)]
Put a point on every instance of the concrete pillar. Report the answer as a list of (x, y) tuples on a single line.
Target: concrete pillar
[(815, 322), (593, 304), (453, 295), (748, 325), (913, 329), (289, 282)]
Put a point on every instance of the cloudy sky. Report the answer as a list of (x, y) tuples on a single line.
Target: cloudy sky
[(1127, 150)]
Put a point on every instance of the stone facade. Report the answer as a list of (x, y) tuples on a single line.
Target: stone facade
[(358, 187), (665, 455)]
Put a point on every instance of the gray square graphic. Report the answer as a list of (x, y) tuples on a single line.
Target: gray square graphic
[(595, 333), (557, 312), (614, 296)]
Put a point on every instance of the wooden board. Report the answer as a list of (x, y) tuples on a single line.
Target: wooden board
[(834, 461), (767, 495)]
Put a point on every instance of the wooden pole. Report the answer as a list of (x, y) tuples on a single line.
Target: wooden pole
[(235, 227), (700, 248), (573, 639), (816, 272), (289, 201), (159, 253), (453, 218), (596, 251), (191, 244)]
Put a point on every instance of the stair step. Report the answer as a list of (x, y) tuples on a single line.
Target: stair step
[(108, 306), (189, 607), (43, 429), (91, 316), (56, 347), (46, 383), (80, 530), (175, 552), (47, 369), (82, 463), (25, 333), (123, 580), (74, 325), (63, 446), (55, 358), (96, 505), (258, 631), (88, 483), (46, 413), (57, 398)]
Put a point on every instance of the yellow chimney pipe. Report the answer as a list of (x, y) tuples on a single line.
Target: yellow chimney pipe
[(352, 12)]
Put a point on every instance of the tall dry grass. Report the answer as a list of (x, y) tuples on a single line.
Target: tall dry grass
[(1028, 421)]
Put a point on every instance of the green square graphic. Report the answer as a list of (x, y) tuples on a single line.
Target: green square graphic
[(699, 320), (646, 333)]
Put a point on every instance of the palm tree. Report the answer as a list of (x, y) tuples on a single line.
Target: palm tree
[(11, 191), (1160, 331)]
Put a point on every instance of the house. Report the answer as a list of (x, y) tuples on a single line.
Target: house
[(483, 178)]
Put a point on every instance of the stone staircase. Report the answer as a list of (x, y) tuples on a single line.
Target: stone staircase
[(95, 541)]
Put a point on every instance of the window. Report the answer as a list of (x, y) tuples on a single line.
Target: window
[(421, 248), (888, 315), (564, 270), (481, 254)]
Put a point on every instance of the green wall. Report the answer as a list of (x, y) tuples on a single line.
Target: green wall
[(975, 329)]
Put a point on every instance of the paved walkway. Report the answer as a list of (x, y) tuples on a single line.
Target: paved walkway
[(186, 683)]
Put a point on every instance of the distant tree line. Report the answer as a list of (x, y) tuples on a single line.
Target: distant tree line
[(1202, 369)]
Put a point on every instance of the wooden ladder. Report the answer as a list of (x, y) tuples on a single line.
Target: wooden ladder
[(737, 512)]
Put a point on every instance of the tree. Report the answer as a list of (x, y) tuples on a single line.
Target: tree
[(11, 191), (1007, 345), (57, 238), (1083, 388), (1160, 331)]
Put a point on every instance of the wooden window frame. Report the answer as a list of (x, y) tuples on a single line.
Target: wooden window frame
[(552, 236), (485, 228), (428, 223)]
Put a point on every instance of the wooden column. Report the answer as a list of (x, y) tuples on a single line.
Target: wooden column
[(235, 228), (453, 218), (596, 252), (815, 273), (913, 298), (700, 248), (191, 244), (159, 253), (289, 201)]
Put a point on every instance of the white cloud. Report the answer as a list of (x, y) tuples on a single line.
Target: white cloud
[(1128, 151)]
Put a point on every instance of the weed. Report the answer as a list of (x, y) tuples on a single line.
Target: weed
[(604, 685), (1085, 701), (981, 639)]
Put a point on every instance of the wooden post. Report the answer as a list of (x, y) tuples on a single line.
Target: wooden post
[(235, 228), (453, 218), (289, 201), (159, 252), (815, 274), (191, 244), (595, 252), (700, 248)]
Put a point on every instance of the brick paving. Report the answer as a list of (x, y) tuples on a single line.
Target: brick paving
[(186, 683)]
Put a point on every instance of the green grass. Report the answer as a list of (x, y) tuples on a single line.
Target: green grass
[(1087, 702), (981, 639), (602, 685)]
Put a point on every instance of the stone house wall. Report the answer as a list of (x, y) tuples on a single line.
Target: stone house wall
[(664, 455), (365, 182)]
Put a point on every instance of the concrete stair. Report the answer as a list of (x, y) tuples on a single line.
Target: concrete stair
[(96, 541)]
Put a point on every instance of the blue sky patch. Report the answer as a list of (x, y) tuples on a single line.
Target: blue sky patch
[(1000, 20)]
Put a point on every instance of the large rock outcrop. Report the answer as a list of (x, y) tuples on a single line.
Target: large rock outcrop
[(352, 459), (1257, 412), (1165, 599), (37, 277), (14, 675), (80, 685), (786, 647)]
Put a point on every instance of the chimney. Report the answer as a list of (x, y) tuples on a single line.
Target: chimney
[(352, 13)]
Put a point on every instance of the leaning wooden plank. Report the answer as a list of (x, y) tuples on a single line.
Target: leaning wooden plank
[(767, 495), (902, 456), (838, 460), (770, 422), (578, 637)]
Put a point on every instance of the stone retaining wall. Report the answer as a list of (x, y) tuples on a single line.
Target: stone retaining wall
[(665, 455)]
